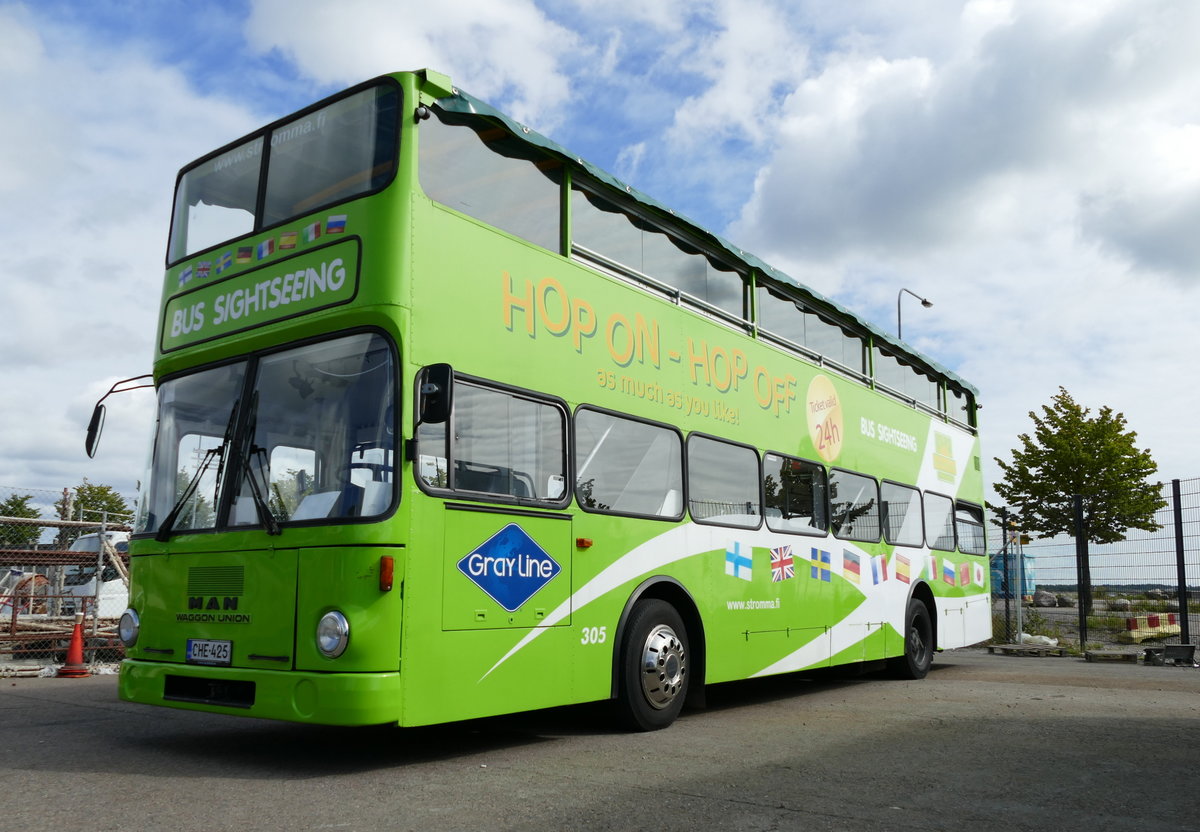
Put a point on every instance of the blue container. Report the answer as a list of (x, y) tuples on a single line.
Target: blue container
[(1026, 573)]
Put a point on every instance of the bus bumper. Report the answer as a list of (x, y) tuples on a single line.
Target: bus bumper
[(294, 696)]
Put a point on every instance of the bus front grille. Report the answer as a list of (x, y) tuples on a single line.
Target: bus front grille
[(225, 692)]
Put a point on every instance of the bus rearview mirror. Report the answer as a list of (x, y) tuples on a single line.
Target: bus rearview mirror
[(436, 390), (93, 431), (97, 422)]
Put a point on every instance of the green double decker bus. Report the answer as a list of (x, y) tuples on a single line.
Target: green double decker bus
[(452, 423)]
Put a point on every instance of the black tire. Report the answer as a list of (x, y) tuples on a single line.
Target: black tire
[(918, 643), (654, 667)]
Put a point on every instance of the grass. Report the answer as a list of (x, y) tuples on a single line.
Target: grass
[(1106, 622), (1037, 624)]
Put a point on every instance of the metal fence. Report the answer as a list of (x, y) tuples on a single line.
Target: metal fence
[(57, 561), (1144, 590)]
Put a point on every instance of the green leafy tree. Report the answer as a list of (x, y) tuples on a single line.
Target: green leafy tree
[(287, 493), (13, 536), (1072, 453), (91, 502), (584, 494), (794, 493), (198, 512)]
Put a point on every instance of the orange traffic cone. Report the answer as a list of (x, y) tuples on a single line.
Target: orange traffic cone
[(75, 668)]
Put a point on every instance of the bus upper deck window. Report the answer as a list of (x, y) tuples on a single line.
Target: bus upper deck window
[(328, 155), (214, 201)]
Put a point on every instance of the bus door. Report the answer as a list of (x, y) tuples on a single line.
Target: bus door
[(498, 455), (504, 568)]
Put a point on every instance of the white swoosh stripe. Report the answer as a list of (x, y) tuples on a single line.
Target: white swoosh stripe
[(676, 544)]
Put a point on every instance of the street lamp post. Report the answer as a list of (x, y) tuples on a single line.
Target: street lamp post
[(924, 302)]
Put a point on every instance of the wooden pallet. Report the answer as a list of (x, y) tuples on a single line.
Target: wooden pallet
[(1111, 656), (1026, 650)]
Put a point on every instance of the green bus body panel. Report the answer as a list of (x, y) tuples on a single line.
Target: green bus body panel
[(240, 596), (631, 351), (466, 606), (325, 698), (347, 579), (269, 605), (438, 647), (457, 101)]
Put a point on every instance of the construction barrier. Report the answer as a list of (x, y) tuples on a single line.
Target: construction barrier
[(1142, 627)]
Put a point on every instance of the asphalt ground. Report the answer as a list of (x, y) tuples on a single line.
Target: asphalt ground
[(985, 742)]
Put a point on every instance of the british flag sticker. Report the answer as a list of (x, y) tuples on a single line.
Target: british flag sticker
[(782, 564)]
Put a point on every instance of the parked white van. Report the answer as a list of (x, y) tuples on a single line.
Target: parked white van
[(80, 581)]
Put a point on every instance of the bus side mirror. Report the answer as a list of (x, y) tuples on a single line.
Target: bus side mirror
[(435, 392), (93, 431), (97, 423)]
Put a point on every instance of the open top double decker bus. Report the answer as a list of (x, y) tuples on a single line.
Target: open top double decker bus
[(452, 423)]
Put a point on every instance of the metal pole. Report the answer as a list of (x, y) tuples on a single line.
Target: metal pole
[(926, 302), (1185, 635), (1081, 568), (1004, 533), (1019, 568), (99, 573)]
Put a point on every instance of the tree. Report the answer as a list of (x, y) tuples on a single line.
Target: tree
[(13, 536), (1070, 453), (287, 493), (198, 512), (92, 502)]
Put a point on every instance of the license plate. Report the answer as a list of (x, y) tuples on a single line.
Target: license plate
[(209, 651)]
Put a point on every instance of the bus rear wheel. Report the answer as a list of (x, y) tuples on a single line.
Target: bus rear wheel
[(654, 667), (918, 643)]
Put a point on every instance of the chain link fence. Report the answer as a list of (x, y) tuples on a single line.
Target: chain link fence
[(58, 560), (1142, 591)]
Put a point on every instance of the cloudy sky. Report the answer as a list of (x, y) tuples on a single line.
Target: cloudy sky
[(1031, 167)]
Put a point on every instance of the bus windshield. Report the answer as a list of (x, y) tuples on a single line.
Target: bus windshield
[(344, 149), (313, 442)]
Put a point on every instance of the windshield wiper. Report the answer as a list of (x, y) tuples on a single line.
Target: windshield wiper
[(164, 531), (168, 524), (256, 493), (248, 462)]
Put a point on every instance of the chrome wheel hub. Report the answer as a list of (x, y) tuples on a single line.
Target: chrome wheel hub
[(664, 665)]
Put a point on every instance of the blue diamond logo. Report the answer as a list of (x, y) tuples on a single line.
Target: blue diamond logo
[(510, 567)]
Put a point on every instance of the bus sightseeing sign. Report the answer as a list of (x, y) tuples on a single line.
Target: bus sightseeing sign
[(298, 285)]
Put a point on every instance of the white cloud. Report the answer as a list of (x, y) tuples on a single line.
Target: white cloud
[(608, 60), (507, 53), (883, 154), (1038, 180), (749, 54), (664, 15), (629, 160), (93, 138)]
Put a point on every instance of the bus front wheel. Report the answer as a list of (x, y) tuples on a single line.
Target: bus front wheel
[(654, 666), (918, 643)]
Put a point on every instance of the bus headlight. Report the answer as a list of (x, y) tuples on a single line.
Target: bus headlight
[(333, 634), (129, 627)]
